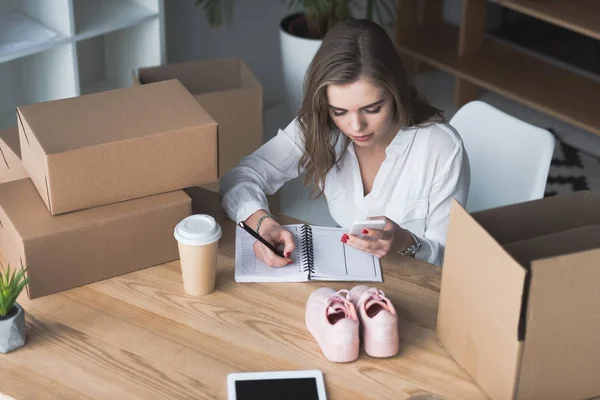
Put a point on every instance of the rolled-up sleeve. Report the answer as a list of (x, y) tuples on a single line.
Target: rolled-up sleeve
[(244, 187), (452, 183)]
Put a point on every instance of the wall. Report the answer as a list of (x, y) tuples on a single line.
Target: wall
[(253, 36)]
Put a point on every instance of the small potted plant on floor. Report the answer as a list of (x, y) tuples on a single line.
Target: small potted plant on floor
[(12, 315)]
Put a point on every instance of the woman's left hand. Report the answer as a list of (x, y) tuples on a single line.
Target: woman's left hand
[(392, 238)]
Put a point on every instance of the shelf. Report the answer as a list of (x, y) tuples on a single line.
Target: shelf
[(581, 16), (107, 62), (511, 73), (93, 17), (51, 50), (21, 36), (44, 76)]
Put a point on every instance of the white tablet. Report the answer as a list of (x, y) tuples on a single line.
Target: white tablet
[(306, 385)]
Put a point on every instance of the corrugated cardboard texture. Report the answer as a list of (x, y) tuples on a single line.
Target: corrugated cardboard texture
[(480, 304), (205, 201), (240, 123), (117, 145), (561, 355), (531, 219), (11, 247), (230, 93), (564, 300), (204, 76), (558, 240), (65, 251), (555, 244), (11, 168)]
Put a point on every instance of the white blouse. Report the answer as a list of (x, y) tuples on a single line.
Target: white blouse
[(424, 168)]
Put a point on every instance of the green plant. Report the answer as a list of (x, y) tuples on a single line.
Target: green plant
[(11, 285), (319, 15)]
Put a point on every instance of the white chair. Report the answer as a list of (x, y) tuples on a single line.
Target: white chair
[(509, 158)]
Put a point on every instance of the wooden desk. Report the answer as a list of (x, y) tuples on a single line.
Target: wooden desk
[(139, 336)]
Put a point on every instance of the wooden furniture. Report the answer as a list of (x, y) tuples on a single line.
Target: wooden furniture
[(481, 62), (138, 336), (96, 46)]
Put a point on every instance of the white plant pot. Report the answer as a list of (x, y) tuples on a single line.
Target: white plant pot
[(12, 331), (296, 55)]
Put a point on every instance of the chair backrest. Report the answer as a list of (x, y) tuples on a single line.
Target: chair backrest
[(509, 158)]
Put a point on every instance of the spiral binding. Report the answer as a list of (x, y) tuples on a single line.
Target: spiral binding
[(308, 261)]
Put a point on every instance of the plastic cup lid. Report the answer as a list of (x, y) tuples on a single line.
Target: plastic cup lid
[(197, 230)]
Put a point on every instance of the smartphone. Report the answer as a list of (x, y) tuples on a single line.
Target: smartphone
[(358, 226)]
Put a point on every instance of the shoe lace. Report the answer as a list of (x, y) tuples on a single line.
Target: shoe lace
[(376, 296), (339, 302)]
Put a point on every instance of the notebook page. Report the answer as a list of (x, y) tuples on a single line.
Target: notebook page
[(248, 268), (336, 261)]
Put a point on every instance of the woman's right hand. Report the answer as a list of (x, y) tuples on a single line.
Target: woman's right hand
[(272, 232)]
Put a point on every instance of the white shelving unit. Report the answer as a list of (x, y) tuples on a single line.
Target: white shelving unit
[(54, 49)]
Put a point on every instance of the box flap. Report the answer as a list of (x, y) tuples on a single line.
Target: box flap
[(113, 116), (480, 305), (555, 244), (234, 128), (22, 203), (561, 354), (551, 245), (34, 160), (530, 219), (10, 136), (11, 167), (204, 76)]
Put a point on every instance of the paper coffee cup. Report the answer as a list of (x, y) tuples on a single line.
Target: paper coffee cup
[(198, 241)]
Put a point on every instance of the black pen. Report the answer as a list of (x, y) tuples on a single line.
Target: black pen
[(263, 241)]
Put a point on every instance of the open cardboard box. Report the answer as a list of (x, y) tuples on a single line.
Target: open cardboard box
[(228, 90), (65, 251), (117, 145), (11, 168), (519, 303)]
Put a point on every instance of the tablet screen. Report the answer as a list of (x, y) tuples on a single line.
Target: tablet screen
[(294, 388), (289, 385)]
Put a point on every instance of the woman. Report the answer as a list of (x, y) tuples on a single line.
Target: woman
[(367, 141)]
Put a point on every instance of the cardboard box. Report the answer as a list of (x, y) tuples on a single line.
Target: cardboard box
[(274, 200), (117, 145), (11, 167), (228, 90), (230, 93), (69, 250), (519, 302)]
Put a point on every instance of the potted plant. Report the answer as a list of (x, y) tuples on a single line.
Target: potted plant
[(12, 315), (301, 32)]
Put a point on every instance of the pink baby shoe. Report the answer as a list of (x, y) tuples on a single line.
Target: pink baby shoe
[(331, 319), (378, 319)]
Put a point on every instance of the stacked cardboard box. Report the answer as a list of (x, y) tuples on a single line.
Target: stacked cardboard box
[(228, 90), (105, 189), (11, 167)]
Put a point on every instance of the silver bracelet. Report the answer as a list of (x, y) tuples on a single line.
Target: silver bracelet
[(413, 249), (261, 219)]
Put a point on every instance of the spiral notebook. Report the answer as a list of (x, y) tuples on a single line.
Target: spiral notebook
[(319, 255)]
